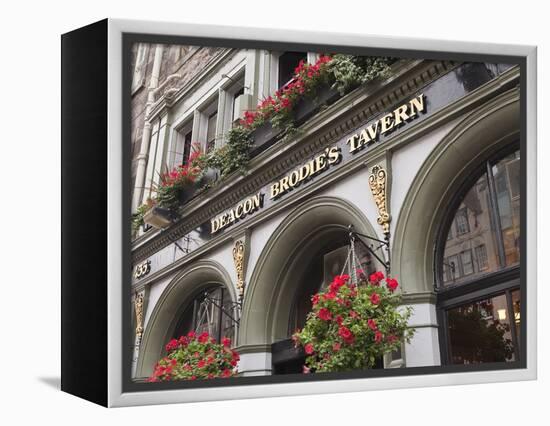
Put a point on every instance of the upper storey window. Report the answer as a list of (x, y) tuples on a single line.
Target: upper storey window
[(288, 61)]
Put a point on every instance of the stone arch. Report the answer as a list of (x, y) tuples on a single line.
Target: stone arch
[(267, 301), (484, 131), (175, 297)]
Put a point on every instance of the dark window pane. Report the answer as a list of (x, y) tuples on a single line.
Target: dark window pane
[(322, 265), (474, 229), (480, 332), (187, 147), (288, 62), (506, 175)]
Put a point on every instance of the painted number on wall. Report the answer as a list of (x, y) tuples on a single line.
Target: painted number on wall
[(142, 269)]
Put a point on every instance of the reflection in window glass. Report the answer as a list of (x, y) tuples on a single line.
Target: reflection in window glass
[(506, 175), (466, 261), (481, 257), (462, 225), (480, 332), (474, 229), (517, 315)]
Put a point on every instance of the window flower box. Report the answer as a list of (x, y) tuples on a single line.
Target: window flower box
[(266, 135), (159, 217)]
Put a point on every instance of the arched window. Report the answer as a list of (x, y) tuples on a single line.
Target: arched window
[(211, 310), (478, 266), (313, 272), (324, 265)]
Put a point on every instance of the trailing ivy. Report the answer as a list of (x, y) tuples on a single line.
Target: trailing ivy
[(137, 217), (350, 72), (234, 155), (342, 72)]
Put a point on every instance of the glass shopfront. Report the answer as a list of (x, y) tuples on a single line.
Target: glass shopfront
[(478, 267)]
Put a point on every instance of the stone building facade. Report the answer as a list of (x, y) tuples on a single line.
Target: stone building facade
[(451, 193)]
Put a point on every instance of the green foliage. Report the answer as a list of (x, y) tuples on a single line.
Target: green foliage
[(350, 71), (137, 217), (178, 184), (350, 326), (234, 155), (194, 357), (344, 72)]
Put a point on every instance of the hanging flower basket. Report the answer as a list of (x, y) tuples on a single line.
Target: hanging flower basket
[(195, 357), (354, 322)]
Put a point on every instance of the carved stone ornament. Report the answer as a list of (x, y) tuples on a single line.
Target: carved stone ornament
[(377, 183), (238, 258), (138, 306)]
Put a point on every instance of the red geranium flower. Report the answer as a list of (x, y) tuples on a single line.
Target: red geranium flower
[(372, 324), (309, 348), (329, 296), (171, 345), (378, 337), (226, 342), (346, 334), (324, 314), (375, 299), (392, 284), (203, 337), (376, 278)]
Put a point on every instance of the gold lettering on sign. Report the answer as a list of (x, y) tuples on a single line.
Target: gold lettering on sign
[(245, 207), (238, 259), (399, 116), (377, 183), (330, 156)]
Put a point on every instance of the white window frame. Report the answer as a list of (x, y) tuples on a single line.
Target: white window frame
[(200, 122), (178, 142), (311, 58)]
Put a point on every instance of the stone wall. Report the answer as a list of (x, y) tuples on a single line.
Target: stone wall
[(188, 61)]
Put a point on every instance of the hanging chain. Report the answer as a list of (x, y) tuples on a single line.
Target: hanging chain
[(352, 263)]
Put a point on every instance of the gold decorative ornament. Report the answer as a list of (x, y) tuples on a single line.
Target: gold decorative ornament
[(377, 183), (238, 258), (138, 306)]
